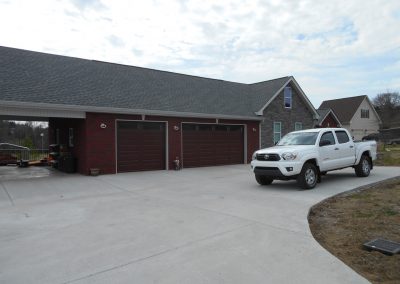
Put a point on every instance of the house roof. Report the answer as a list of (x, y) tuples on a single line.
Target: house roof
[(40, 78), (343, 108), (323, 113)]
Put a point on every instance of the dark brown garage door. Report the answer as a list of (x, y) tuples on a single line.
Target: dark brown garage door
[(140, 146), (212, 145)]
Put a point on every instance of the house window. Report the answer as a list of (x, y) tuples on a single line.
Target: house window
[(298, 126), (277, 131), (364, 113), (287, 93)]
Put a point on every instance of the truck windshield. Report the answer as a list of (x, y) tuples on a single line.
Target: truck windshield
[(299, 138)]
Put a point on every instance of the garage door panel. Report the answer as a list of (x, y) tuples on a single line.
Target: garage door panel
[(140, 146), (208, 145)]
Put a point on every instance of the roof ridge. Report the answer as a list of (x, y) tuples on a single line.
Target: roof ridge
[(162, 71), (345, 98), (139, 67), (270, 80)]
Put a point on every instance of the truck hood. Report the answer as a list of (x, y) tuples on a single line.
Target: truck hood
[(283, 149)]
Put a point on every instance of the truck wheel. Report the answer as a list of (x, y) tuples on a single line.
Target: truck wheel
[(363, 168), (308, 176), (263, 180)]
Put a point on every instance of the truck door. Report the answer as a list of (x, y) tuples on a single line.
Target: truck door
[(327, 153), (346, 152)]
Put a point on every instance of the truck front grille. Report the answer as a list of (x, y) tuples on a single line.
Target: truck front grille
[(268, 157)]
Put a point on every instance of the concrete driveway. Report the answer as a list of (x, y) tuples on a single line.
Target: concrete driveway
[(204, 225)]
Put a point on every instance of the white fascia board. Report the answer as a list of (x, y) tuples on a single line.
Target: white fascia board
[(374, 110), (291, 79), (38, 112), (305, 98), (261, 111), (84, 109), (334, 115), (371, 106)]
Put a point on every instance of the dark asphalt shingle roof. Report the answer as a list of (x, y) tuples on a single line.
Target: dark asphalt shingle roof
[(27, 76), (343, 108)]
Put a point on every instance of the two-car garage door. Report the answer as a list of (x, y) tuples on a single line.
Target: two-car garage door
[(212, 144), (141, 145)]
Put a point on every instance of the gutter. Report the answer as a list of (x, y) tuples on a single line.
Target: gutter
[(64, 107)]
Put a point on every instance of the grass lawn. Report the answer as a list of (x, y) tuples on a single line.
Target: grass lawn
[(343, 223), (388, 155)]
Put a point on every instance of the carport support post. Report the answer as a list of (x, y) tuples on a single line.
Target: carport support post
[(41, 135)]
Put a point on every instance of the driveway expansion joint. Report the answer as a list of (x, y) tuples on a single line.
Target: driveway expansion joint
[(7, 193), (187, 244)]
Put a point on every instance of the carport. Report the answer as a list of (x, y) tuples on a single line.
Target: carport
[(58, 133)]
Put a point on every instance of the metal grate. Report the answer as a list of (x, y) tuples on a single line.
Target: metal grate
[(268, 157), (384, 246)]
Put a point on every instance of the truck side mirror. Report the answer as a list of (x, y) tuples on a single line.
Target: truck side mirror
[(323, 143)]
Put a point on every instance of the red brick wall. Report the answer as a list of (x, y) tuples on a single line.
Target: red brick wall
[(96, 147), (329, 121), (253, 138)]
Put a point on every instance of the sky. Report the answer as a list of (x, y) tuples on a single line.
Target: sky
[(334, 49)]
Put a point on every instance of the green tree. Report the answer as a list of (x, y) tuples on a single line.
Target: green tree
[(27, 142)]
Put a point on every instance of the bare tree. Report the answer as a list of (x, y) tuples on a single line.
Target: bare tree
[(388, 107)]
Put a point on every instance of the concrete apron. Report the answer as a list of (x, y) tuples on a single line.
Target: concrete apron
[(204, 225)]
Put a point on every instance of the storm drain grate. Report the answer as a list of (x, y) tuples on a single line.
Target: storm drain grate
[(385, 246)]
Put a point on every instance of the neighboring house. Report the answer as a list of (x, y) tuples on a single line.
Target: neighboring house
[(356, 114), (328, 118), (120, 118)]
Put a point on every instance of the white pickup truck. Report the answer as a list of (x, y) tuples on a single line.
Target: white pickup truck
[(306, 155)]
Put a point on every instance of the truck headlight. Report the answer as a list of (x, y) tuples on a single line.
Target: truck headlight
[(289, 156), (254, 156)]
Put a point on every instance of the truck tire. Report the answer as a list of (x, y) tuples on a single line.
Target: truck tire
[(308, 176), (363, 168), (263, 180)]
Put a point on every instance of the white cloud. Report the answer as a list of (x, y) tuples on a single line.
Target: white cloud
[(333, 48)]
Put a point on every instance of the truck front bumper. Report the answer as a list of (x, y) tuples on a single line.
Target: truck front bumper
[(277, 170)]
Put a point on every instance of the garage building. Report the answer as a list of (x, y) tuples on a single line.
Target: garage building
[(120, 118)]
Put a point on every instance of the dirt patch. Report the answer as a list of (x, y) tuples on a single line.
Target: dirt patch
[(343, 223)]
